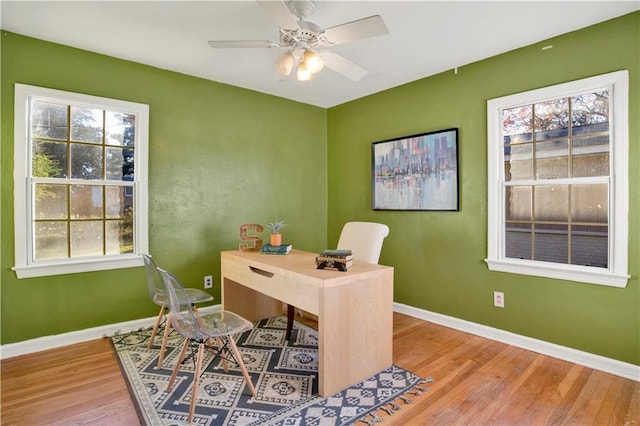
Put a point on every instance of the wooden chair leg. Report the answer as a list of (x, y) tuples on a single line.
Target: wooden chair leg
[(155, 327), (245, 373), (165, 337), (178, 363), (291, 310), (223, 355), (220, 345), (196, 380)]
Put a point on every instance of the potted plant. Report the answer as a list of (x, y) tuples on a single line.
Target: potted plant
[(276, 237)]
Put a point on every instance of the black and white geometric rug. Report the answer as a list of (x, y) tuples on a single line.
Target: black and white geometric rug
[(283, 372)]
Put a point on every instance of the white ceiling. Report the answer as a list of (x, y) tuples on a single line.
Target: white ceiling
[(425, 37)]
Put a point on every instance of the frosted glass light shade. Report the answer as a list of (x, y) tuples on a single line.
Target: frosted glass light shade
[(313, 62), (303, 72), (284, 65)]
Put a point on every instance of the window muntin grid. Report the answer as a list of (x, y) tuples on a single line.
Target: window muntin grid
[(556, 166), (82, 176)]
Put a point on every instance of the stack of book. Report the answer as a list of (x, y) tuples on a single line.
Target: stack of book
[(281, 249), (337, 259)]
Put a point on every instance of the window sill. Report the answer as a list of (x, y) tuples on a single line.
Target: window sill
[(583, 274), (43, 269)]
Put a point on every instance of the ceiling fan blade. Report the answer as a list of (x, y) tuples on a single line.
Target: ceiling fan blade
[(280, 13), (372, 26), (226, 44), (342, 65)]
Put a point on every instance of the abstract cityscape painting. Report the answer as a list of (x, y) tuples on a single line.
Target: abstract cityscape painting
[(418, 172)]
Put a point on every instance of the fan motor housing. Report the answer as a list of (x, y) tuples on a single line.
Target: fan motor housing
[(308, 34)]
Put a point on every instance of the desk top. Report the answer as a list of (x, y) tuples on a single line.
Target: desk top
[(300, 262)]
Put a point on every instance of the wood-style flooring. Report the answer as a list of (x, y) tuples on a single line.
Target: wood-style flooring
[(476, 382)]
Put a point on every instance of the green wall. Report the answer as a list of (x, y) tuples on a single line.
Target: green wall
[(438, 256), (219, 156)]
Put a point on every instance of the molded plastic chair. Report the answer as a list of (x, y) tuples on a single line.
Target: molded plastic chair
[(364, 239), (159, 297), (219, 325)]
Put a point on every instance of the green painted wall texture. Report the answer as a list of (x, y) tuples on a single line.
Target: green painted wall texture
[(439, 256), (221, 156)]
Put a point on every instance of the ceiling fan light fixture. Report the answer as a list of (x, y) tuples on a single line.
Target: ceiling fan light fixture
[(303, 72), (284, 64), (312, 61)]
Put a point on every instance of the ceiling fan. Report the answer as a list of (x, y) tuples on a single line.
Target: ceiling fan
[(304, 41)]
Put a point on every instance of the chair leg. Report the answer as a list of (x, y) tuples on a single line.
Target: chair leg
[(155, 327), (223, 355), (165, 337), (238, 357), (178, 363), (219, 350), (291, 311), (196, 380)]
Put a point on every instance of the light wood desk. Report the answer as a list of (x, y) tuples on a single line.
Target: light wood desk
[(354, 308)]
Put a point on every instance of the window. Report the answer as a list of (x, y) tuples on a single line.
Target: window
[(80, 181), (558, 181)]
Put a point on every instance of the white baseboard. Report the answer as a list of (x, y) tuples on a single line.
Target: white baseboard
[(597, 362), (50, 342)]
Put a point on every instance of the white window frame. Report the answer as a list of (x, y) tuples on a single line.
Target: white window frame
[(25, 264), (616, 274)]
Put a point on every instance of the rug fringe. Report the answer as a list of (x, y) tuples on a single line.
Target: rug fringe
[(372, 418)]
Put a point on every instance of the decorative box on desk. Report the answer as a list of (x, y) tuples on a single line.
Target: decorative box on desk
[(354, 308)]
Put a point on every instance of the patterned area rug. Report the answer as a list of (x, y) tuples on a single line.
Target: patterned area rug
[(283, 372)]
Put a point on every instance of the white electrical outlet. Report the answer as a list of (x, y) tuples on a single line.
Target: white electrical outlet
[(498, 299), (208, 281)]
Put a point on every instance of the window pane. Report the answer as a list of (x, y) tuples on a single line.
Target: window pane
[(86, 202), (51, 201), (49, 159), (86, 125), (589, 246), (590, 156), (49, 120), (86, 238), (551, 203), (518, 203), (86, 161), (120, 128), (552, 119), (119, 164), (552, 159), (518, 162), (51, 240), (589, 203), (517, 124), (120, 236), (551, 243), (518, 241), (119, 201), (590, 108)]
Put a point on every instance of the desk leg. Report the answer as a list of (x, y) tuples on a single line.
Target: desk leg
[(355, 330), (290, 316)]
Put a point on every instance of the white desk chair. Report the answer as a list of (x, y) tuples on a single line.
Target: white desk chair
[(364, 239)]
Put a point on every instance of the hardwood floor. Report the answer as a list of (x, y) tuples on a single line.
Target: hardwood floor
[(476, 381)]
